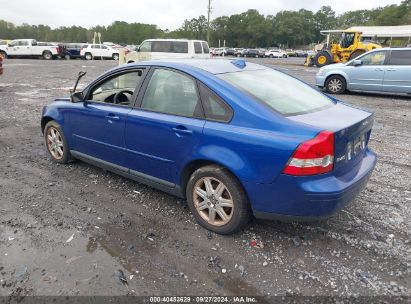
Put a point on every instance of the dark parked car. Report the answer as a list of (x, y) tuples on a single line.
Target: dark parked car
[(250, 53), (231, 137), (230, 52), (72, 50), (261, 52)]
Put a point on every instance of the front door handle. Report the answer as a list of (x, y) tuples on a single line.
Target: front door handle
[(390, 69), (379, 69)]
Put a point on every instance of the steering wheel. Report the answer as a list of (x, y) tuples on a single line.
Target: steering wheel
[(117, 96)]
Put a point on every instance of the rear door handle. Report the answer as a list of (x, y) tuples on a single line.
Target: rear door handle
[(112, 116), (379, 69), (390, 69), (182, 130)]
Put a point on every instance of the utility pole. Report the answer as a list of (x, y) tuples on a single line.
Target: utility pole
[(209, 8)]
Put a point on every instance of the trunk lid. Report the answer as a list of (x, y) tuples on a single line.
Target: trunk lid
[(352, 128)]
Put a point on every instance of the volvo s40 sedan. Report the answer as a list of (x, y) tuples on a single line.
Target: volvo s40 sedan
[(235, 139), (381, 70)]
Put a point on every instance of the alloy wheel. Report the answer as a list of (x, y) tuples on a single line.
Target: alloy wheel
[(213, 201), (55, 143)]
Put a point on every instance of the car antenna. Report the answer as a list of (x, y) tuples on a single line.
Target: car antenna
[(80, 75)]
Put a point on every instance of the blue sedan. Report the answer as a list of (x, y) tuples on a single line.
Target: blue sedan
[(235, 139), (381, 70)]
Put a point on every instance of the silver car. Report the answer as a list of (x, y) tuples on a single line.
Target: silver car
[(385, 70)]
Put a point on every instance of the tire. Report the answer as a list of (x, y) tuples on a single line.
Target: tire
[(62, 155), (236, 216), (238, 55), (67, 57), (335, 84), (88, 56), (3, 54), (47, 55), (356, 53), (322, 58), (284, 56), (115, 56), (271, 56)]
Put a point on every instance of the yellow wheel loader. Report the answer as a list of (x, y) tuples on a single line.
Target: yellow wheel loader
[(349, 47)]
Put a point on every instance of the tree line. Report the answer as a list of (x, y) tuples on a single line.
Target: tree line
[(248, 29)]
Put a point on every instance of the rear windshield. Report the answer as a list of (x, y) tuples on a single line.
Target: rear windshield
[(279, 91)]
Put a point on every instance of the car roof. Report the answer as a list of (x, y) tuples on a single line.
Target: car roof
[(213, 66), (184, 40)]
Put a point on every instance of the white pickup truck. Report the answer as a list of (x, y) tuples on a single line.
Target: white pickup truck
[(29, 48)]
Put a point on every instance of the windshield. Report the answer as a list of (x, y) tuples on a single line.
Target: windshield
[(279, 91)]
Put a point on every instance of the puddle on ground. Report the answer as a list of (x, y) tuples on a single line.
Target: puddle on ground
[(235, 286), (91, 245)]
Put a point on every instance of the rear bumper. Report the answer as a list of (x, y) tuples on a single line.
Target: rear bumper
[(310, 197)]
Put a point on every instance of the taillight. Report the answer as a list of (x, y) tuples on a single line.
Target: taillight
[(314, 156)]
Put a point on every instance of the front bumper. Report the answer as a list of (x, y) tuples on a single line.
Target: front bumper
[(320, 81), (309, 197)]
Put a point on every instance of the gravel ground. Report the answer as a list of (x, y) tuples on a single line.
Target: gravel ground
[(78, 230)]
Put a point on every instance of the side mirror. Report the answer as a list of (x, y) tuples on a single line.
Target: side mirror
[(77, 97), (357, 62)]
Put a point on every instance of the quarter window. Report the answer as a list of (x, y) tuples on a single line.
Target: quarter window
[(125, 83), (172, 93), (197, 48), (400, 58), (375, 58), (214, 107)]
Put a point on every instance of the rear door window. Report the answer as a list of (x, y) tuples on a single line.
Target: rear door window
[(197, 48), (400, 57), (171, 92), (179, 47)]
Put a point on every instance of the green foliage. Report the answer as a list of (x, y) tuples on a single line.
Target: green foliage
[(248, 29)]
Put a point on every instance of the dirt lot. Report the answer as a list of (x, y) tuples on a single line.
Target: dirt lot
[(78, 230)]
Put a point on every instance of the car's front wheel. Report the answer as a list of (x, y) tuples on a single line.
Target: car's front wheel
[(217, 200), (56, 143), (335, 84), (88, 56)]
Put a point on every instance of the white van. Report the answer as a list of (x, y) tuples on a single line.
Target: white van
[(168, 49)]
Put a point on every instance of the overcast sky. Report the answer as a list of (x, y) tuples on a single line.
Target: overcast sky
[(165, 13)]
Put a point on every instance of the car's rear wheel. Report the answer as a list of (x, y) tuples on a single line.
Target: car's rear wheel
[(335, 84), (47, 55), (115, 56), (67, 57), (88, 56), (217, 200), (3, 54), (56, 143)]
